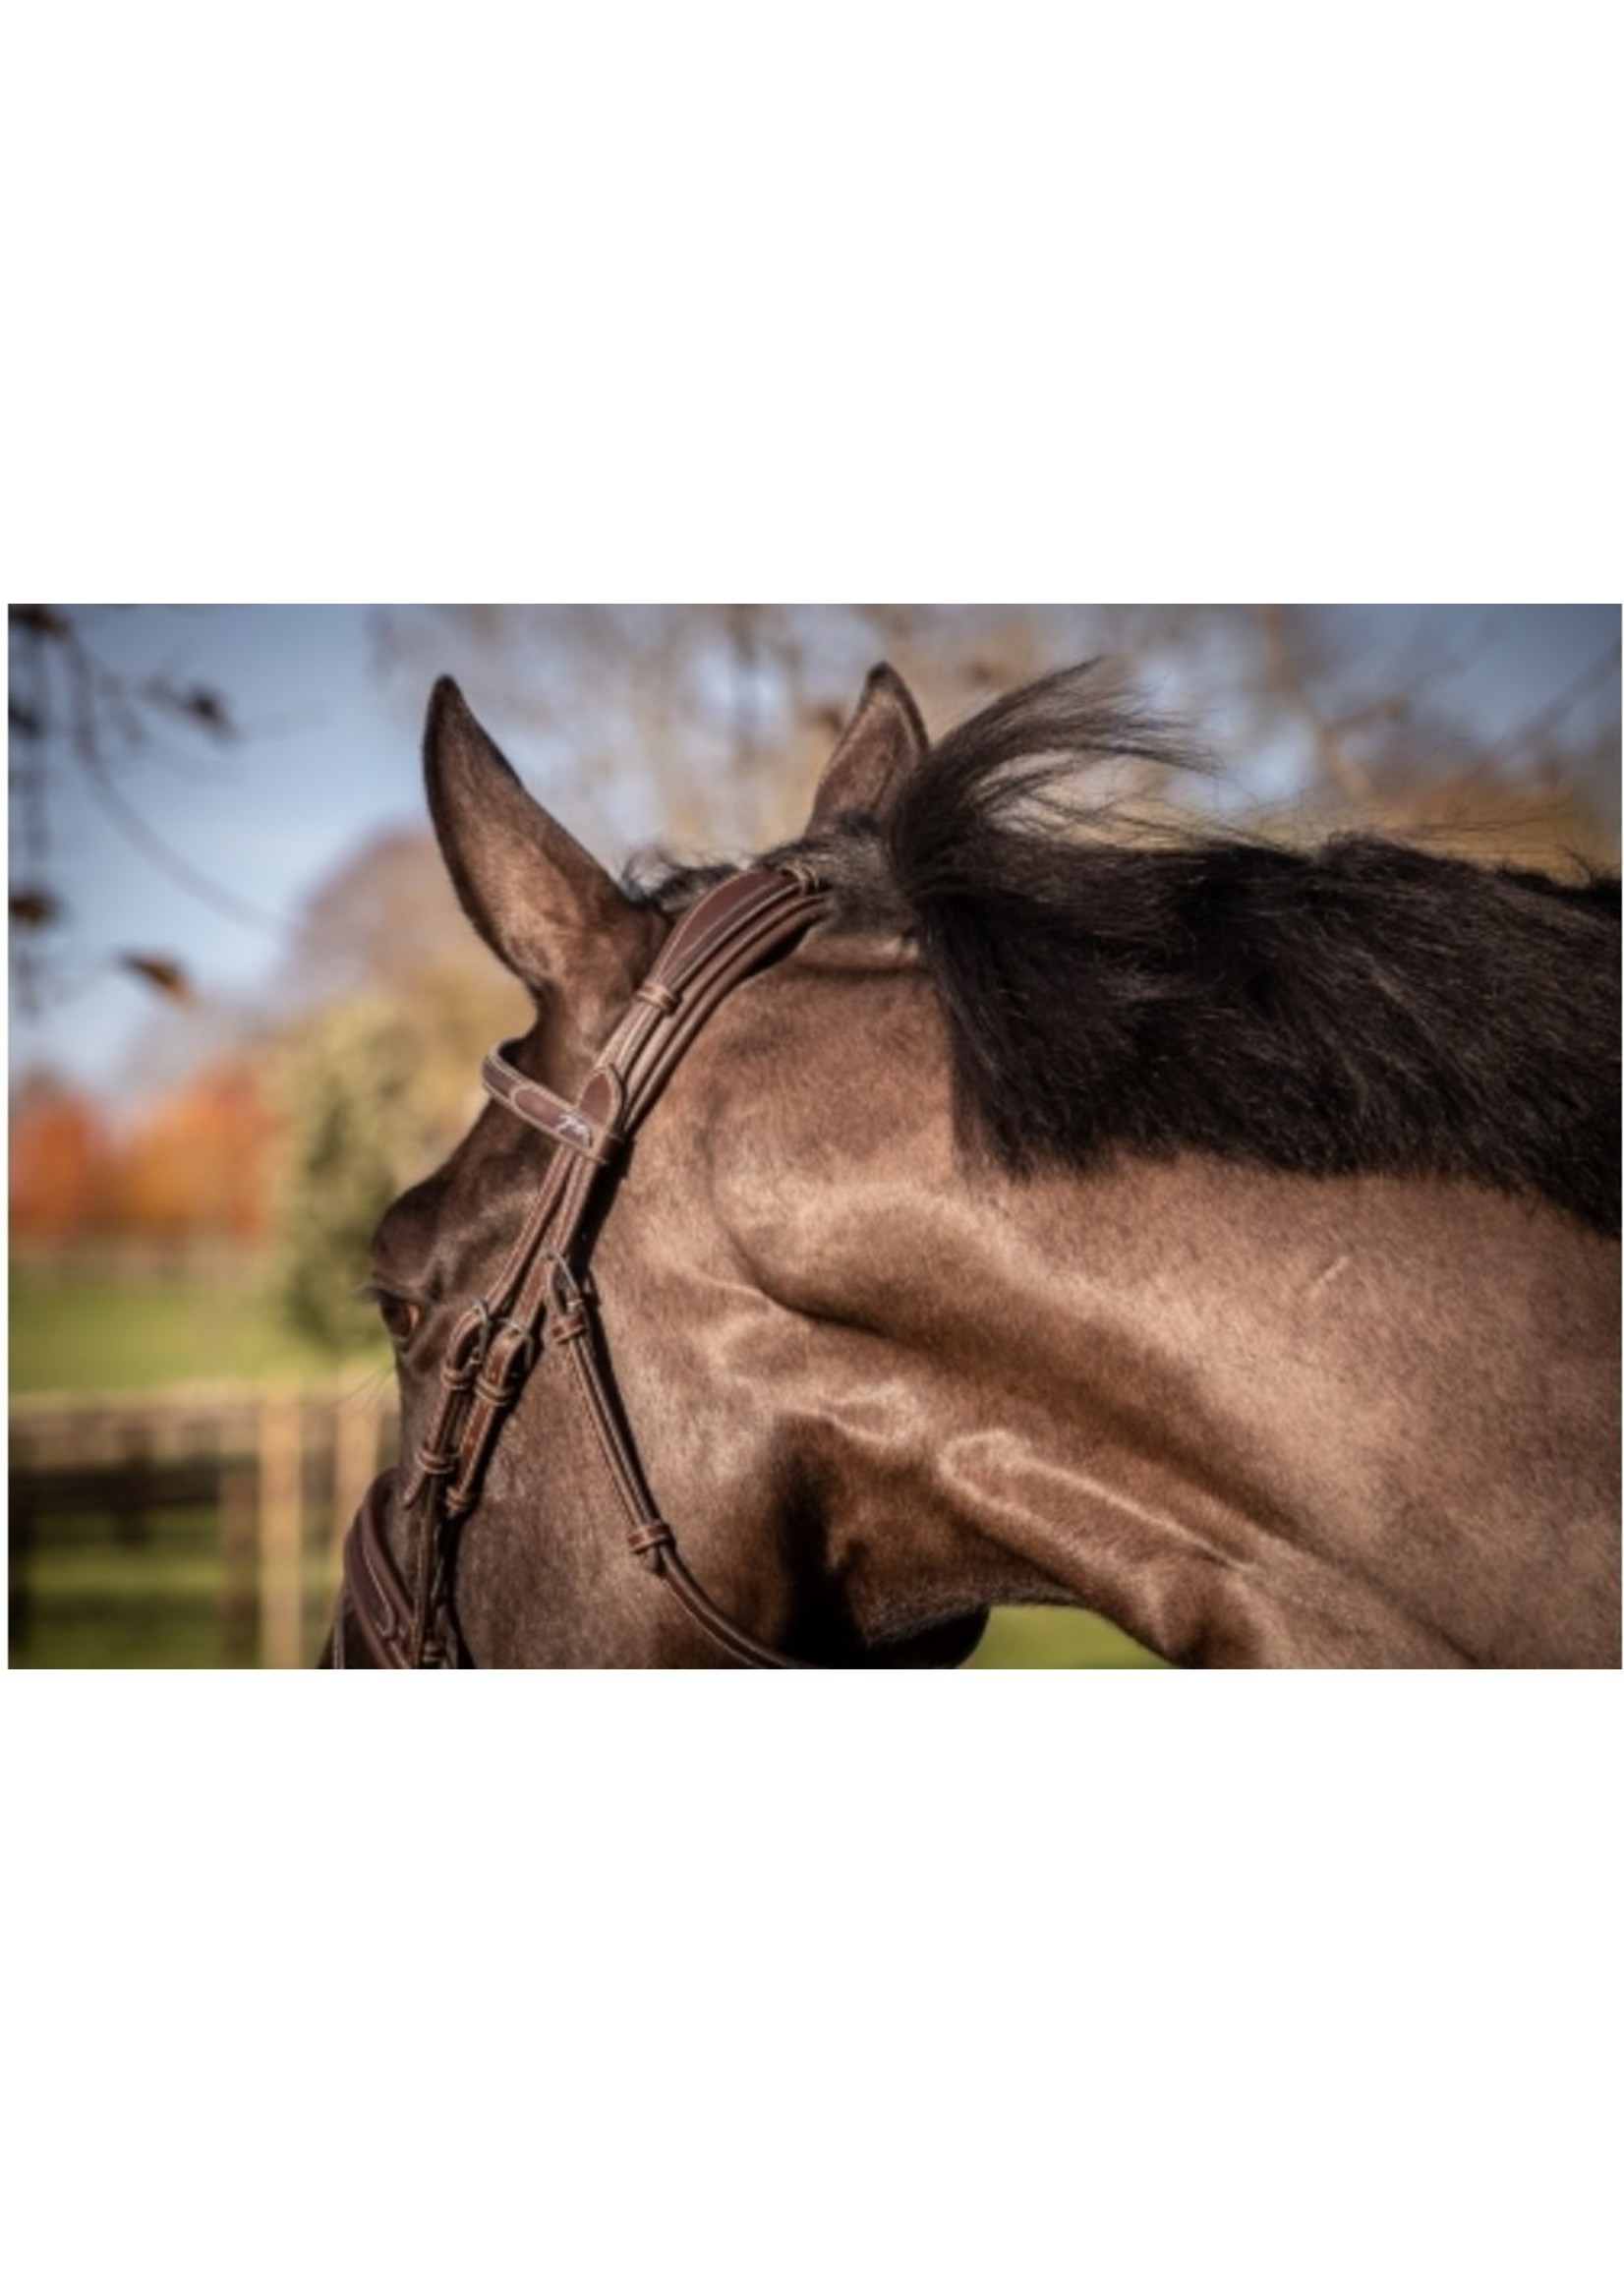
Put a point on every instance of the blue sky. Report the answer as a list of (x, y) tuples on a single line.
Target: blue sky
[(328, 757)]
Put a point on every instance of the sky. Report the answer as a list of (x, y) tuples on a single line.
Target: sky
[(327, 758)]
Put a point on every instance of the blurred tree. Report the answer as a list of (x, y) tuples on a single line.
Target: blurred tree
[(1384, 744), (194, 1168), (387, 919), (67, 708), (706, 727), (385, 925), (59, 1158), (357, 1127), (197, 1167)]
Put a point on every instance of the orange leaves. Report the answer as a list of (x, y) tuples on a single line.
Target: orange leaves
[(59, 1154), (196, 1166)]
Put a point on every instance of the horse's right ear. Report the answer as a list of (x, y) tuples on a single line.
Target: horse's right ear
[(537, 898), (881, 747)]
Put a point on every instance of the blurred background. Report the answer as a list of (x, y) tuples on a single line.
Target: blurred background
[(245, 1010)]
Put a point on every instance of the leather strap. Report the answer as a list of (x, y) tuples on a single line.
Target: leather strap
[(648, 1534), (377, 1599)]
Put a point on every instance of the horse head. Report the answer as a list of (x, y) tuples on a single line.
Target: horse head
[(721, 1287)]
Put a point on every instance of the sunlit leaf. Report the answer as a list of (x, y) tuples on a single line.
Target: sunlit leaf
[(46, 623), (34, 908), (160, 972)]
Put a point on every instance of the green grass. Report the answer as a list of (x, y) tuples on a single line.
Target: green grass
[(110, 1335), (1033, 1635)]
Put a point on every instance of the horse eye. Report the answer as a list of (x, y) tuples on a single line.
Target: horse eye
[(401, 1318)]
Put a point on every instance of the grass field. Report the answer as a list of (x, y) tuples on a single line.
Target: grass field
[(108, 1335), (1037, 1635), (96, 1599)]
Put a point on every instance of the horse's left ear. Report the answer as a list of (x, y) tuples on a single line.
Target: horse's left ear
[(884, 742), (537, 898)]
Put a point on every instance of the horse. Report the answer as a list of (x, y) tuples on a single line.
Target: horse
[(979, 1202)]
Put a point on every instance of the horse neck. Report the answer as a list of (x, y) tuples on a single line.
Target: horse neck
[(1253, 1417), (1256, 1421)]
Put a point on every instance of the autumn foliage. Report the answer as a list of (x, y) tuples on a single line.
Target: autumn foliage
[(195, 1167), (59, 1164)]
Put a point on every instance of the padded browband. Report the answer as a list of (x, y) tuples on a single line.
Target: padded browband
[(566, 1123)]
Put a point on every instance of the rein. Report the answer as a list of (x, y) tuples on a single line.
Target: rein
[(536, 1304)]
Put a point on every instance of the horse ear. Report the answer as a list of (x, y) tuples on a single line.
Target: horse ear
[(537, 898), (884, 742)]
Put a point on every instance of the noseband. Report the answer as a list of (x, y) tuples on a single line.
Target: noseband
[(536, 1304)]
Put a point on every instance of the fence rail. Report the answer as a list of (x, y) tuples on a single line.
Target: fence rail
[(267, 1477)]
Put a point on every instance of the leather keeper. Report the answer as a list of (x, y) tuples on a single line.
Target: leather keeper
[(507, 1362)]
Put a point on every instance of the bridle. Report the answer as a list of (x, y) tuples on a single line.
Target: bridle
[(537, 1307)]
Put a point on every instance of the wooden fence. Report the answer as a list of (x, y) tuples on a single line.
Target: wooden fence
[(280, 1471)]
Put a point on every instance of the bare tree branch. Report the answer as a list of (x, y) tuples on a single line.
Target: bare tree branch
[(64, 696)]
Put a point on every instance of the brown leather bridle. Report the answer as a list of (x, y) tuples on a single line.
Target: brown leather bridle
[(537, 1303)]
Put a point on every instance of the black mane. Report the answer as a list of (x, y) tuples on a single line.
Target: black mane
[(1361, 1005)]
